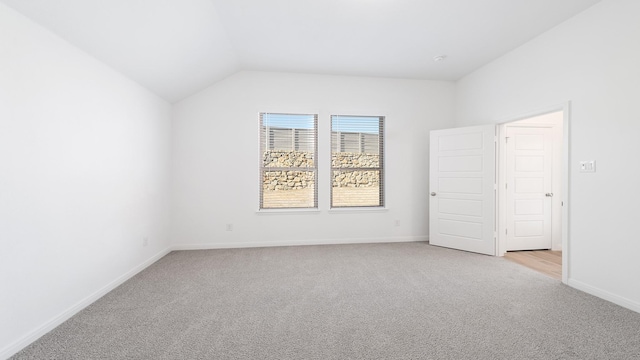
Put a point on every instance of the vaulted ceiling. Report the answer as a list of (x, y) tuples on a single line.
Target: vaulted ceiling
[(178, 47)]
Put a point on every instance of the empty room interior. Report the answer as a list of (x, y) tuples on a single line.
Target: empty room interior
[(341, 179)]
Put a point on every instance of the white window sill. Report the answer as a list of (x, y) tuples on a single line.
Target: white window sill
[(357, 210), (287, 211)]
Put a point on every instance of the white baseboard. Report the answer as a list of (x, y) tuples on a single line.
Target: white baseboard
[(235, 245), (618, 300), (34, 335)]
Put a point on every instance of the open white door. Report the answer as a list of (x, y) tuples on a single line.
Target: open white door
[(529, 188), (462, 173)]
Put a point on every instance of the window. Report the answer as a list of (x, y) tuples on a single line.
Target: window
[(288, 163), (357, 172)]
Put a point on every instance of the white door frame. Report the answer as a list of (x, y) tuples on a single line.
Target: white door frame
[(501, 193)]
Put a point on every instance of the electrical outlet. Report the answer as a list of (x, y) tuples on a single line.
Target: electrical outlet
[(229, 227), (145, 241)]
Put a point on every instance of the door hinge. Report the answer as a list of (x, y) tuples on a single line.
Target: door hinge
[(506, 231), (506, 186), (506, 139)]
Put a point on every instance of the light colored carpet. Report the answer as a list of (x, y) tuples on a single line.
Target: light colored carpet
[(377, 301)]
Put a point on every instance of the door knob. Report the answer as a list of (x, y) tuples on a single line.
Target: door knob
[(433, 194), (548, 194)]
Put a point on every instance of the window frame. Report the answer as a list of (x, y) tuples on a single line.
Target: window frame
[(380, 168), (263, 146)]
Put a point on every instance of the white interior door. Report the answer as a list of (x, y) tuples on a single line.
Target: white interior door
[(462, 174), (529, 194)]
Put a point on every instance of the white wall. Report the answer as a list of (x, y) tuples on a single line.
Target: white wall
[(84, 156), (591, 60), (215, 136)]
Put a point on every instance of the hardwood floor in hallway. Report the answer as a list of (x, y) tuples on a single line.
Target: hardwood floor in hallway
[(544, 261)]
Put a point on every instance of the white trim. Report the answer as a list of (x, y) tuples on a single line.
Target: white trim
[(501, 204), (618, 300), (345, 241), (288, 211), (35, 334), (566, 174), (517, 123), (356, 210)]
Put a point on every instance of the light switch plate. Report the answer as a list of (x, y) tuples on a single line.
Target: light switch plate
[(588, 166)]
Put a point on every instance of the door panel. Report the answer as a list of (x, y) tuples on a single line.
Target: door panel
[(456, 142), (460, 207), (528, 228), (529, 185), (529, 166), (460, 164), (529, 207), (461, 180), (460, 185), (529, 163)]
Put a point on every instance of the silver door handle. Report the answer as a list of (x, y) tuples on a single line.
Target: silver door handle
[(548, 194), (433, 194)]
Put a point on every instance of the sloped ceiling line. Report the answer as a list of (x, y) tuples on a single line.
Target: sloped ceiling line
[(178, 47)]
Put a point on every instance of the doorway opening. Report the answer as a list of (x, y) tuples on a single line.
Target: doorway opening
[(532, 191)]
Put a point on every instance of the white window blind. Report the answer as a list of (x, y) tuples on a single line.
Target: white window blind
[(288, 161), (357, 161)]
